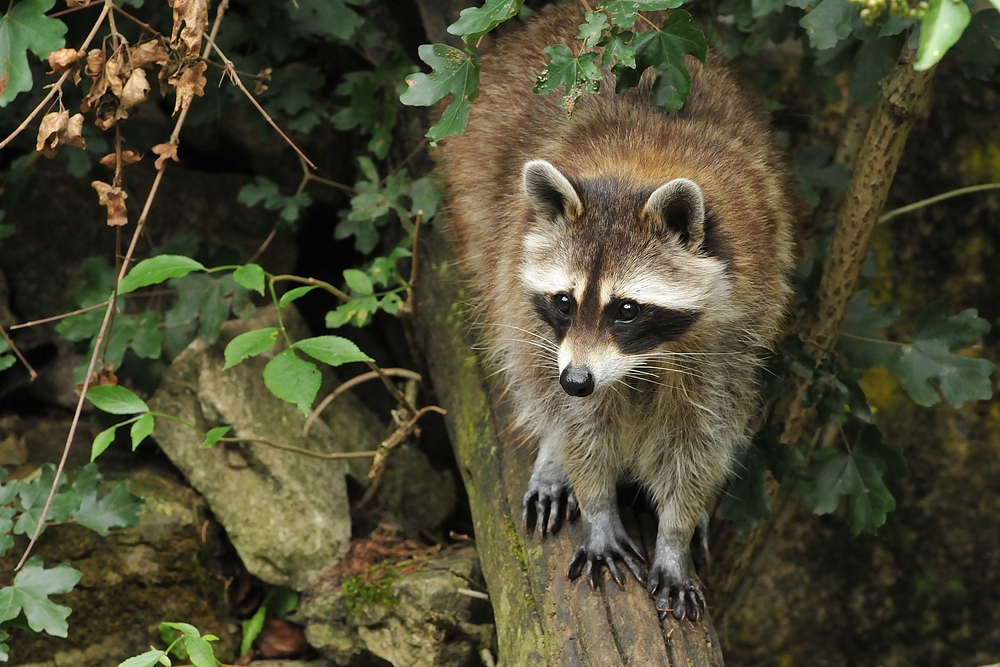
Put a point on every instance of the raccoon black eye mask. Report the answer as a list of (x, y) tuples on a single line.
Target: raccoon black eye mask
[(628, 265)]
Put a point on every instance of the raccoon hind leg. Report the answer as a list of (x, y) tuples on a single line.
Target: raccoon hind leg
[(549, 498)]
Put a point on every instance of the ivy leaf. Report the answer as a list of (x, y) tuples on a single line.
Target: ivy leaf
[(157, 269), (474, 22), (959, 378), (30, 593), (292, 379), (453, 72), (942, 26), (332, 350), (579, 74), (141, 429), (664, 51), (25, 27), (119, 508), (214, 435), (591, 31), (862, 321), (249, 344), (250, 276), (829, 23), (116, 399)]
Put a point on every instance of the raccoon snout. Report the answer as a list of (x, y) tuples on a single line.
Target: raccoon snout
[(577, 381)]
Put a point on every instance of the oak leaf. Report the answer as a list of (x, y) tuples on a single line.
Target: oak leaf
[(166, 152), (114, 198)]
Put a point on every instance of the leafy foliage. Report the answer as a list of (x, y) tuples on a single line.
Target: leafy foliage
[(185, 643), (25, 27)]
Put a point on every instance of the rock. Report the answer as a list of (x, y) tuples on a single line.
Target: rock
[(13, 451), (286, 514), (165, 569), (412, 614)]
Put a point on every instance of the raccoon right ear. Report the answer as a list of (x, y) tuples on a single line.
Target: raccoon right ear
[(680, 204), (550, 193)]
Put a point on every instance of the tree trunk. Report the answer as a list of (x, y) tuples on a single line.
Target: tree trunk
[(542, 618)]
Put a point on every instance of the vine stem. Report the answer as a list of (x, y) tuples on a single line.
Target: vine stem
[(126, 260), (17, 352), (353, 382), (57, 86), (935, 199)]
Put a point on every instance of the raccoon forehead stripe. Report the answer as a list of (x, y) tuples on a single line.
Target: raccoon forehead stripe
[(546, 279), (709, 290)]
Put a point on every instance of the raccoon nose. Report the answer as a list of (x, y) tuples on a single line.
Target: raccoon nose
[(577, 381)]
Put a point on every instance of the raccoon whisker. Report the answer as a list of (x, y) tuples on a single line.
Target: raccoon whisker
[(678, 371), (534, 334)]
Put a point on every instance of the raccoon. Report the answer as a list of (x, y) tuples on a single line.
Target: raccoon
[(629, 267)]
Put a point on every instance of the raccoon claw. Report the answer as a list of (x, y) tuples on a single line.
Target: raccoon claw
[(619, 548), (682, 598), (547, 505)]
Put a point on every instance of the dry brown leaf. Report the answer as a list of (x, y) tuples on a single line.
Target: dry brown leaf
[(151, 52), (188, 82), (95, 62), (58, 129), (135, 91), (117, 71), (128, 157), (64, 58), (114, 198), (190, 21), (99, 84), (166, 152), (52, 124), (281, 639), (263, 81), (73, 4)]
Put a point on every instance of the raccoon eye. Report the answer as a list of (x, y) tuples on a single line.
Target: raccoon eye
[(627, 311), (563, 302)]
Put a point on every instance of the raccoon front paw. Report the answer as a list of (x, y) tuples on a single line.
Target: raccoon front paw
[(606, 547), (681, 596), (548, 500)]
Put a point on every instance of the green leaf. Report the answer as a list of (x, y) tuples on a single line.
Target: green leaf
[(358, 282), (325, 18), (157, 269), (579, 74), (249, 344), (293, 294), (453, 72), (332, 350), (250, 276), (141, 430), (251, 629), (292, 379), (829, 22), (102, 441), (281, 601), (664, 51), (474, 22), (199, 651), (214, 435), (864, 321), (618, 48), (591, 31), (424, 195), (624, 13), (875, 59), (390, 303), (30, 593), (816, 172), (25, 27), (959, 378), (119, 508), (148, 659), (942, 27), (761, 8), (6, 361), (116, 399)]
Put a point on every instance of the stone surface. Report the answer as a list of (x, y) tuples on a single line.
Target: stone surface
[(286, 514), (420, 619)]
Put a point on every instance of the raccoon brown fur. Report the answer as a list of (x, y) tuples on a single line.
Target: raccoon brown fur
[(629, 267)]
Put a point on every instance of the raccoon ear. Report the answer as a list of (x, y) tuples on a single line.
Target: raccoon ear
[(550, 193), (680, 205)]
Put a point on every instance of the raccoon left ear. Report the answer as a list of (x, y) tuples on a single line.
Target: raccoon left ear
[(550, 193), (680, 204)]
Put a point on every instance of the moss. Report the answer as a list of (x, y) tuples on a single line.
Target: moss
[(371, 587)]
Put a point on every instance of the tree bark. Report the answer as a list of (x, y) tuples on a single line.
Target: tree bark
[(541, 617)]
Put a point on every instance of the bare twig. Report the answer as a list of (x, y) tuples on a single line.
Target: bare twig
[(263, 246), (55, 318), (935, 199), (333, 456), (126, 259), (57, 86), (394, 390), (353, 382), (17, 352), (235, 78), (398, 436)]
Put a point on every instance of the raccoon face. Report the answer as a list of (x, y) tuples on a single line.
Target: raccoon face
[(618, 273)]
